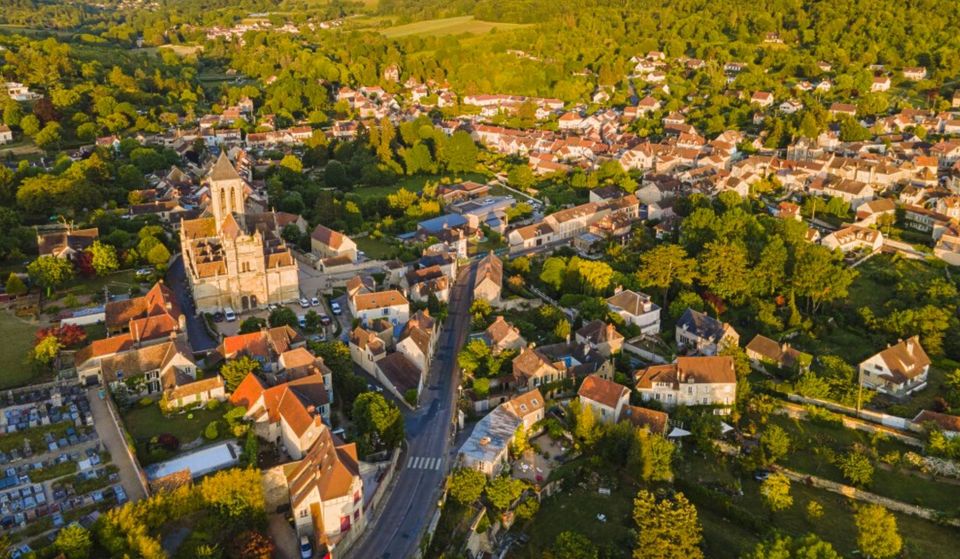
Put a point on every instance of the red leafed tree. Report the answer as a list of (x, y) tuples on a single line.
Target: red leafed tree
[(69, 335), (251, 545), (83, 263)]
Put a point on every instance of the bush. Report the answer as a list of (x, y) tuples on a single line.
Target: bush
[(213, 404), (168, 441), (410, 396), (212, 431), (145, 402)]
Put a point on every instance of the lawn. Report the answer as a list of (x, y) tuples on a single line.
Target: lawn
[(413, 184), (448, 26), (377, 248), (144, 423), (17, 338)]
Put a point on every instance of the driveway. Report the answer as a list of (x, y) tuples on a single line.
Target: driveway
[(283, 536), (110, 436), (200, 339)]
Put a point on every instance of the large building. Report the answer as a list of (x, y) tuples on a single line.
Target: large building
[(234, 258), (691, 381)]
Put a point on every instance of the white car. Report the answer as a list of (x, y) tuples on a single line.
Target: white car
[(306, 550), (304, 302), (229, 315), (314, 301), (302, 321), (335, 308)]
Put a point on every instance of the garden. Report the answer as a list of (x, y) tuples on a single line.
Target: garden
[(159, 436)]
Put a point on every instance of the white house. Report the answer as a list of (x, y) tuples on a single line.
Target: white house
[(487, 447), (390, 305), (690, 381), (853, 238), (899, 370), (637, 309)]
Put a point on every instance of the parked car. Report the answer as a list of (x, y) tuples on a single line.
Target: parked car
[(306, 550), (335, 308), (324, 319), (304, 303), (314, 302), (761, 475), (229, 315), (302, 321), (218, 316)]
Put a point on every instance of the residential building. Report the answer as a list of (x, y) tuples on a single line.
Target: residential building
[(898, 370), (489, 281), (66, 243), (763, 351), (600, 336), (949, 424), (236, 259), (6, 135), (606, 398), (390, 305), (636, 308), (698, 333), (532, 369), (654, 420), (153, 317), (854, 237), (503, 336), (148, 370), (690, 381), (487, 447), (327, 243)]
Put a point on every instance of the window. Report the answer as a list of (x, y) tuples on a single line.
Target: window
[(344, 523), (304, 513), (356, 516), (356, 497)]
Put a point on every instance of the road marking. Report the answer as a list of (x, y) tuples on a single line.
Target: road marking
[(424, 463)]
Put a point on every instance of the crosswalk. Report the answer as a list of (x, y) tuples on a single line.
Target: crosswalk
[(423, 463)]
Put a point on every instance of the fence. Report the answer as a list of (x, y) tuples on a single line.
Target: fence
[(868, 420)]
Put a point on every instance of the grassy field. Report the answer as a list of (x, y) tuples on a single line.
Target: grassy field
[(377, 248), (144, 423), (17, 336), (413, 184), (447, 26)]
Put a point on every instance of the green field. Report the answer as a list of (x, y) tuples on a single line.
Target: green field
[(17, 338), (377, 248), (447, 26), (413, 184)]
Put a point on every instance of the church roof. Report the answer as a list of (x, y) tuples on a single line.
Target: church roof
[(223, 170)]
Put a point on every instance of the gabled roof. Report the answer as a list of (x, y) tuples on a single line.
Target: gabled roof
[(330, 467), (949, 423), (655, 420), (143, 360), (500, 330), (380, 299), (525, 404), (693, 370), (490, 268), (327, 236), (400, 371), (632, 302), (223, 170), (905, 360), (701, 325), (602, 391), (599, 332)]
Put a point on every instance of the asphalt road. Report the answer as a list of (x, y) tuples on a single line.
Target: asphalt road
[(394, 532), (197, 333)]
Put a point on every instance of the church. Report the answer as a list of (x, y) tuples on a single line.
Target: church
[(235, 258)]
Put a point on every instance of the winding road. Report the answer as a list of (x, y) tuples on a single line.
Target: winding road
[(395, 530)]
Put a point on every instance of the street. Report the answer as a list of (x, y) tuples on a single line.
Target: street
[(197, 333), (394, 532)]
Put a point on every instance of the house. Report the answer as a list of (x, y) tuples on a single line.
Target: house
[(487, 447), (606, 398), (289, 414), (653, 420), (853, 238), (264, 346), (762, 350), (327, 243), (390, 305), (690, 381), (366, 348), (845, 109), (154, 316), (489, 280), (899, 370), (532, 369), (880, 84), (399, 374), (698, 333), (326, 490), (600, 336), (762, 98), (152, 369), (66, 243), (503, 336), (6, 135), (949, 424), (450, 193), (915, 74), (418, 340), (636, 308), (870, 212)]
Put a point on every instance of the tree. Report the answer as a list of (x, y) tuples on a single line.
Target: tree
[(521, 177), (460, 152), (820, 276), (776, 492), (666, 266), (856, 468), (781, 547), (236, 495), (283, 316), (103, 258), (251, 545), (50, 272), (725, 269), (252, 324), (877, 535), (235, 370), (585, 427), (502, 491), (15, 285), (466, 485), (668, 529), (573, 545), (46, 351), (378, 422), (775, 442), (292, 163), (49, 137), (158, 256), (74, 541)]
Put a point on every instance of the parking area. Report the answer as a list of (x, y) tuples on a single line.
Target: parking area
[(325, 327), (54, 469)]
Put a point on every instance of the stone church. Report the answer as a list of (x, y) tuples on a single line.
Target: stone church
[(236, 258)]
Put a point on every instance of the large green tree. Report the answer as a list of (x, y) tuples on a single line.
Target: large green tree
[(666, 529), (877, 534)]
